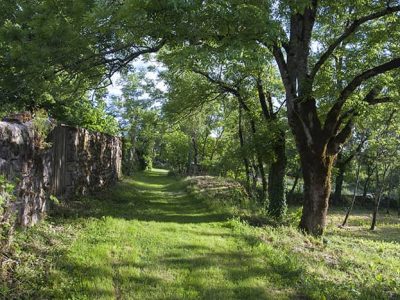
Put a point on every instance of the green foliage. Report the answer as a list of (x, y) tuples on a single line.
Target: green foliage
[(42, 127), (54, 200), (176, 146), (139, 123), (89, 114)]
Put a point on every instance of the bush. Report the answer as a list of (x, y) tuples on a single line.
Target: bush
[(42, 126)]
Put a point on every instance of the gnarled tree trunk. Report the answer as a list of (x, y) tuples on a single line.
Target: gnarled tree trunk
[(317, 188)]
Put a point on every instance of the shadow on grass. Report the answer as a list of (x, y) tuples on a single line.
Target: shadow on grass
[(245, 273), (148, 196)]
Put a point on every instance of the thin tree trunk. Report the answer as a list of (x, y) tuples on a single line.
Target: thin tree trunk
[(365, 188), (264, 183), (276, 180), (398, 207), (195, 156), (354, 196), (203, 148), (189, 160), (375, 212), (260, 164), (296, 180), (390, 188), (254, 175), (277, 171), (378, 197), (245, 159), (337, 196), (366, 183)]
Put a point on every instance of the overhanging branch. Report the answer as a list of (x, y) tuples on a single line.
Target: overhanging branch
[(334, 112), (349, 31)]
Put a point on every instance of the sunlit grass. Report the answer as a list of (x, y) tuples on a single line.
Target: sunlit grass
[(147, 238)]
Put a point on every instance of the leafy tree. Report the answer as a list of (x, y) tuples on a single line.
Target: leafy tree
[(240, 75)]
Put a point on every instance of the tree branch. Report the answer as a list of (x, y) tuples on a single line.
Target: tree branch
[(116, 64), (336, 142), (263, 102), (280, 60), (348, 31), (355, 151), (333, 114), (227, 88)]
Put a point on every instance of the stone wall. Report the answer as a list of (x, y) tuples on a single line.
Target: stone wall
[(77, 162)]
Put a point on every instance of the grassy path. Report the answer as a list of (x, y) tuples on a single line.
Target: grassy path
[(147, 238), (151, 240)]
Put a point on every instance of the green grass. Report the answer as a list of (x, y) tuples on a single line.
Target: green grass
[(147, 238)]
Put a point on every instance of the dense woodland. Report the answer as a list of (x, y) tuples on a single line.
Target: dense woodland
[(297, 101)]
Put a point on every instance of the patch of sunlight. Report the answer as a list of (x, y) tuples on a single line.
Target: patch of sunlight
[(148, 185)]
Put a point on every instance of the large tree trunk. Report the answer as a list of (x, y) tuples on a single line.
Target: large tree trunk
[(276, 180), (317, 188)]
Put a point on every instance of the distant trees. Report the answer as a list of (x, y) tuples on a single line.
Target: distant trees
[(376, 161)]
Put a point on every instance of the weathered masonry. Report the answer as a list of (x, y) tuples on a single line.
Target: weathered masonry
[(76, 162)]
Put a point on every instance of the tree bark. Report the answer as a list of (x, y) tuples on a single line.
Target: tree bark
[(317, 187), (276, 180), (317, 143)]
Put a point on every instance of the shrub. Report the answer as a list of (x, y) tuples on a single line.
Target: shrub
[(42, 126)]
